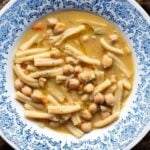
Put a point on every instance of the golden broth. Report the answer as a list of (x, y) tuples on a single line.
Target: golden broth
[(91, 48)]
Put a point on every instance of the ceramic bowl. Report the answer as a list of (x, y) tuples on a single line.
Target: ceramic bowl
[(134, 122)]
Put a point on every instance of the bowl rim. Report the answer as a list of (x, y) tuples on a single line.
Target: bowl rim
[(146, 129)]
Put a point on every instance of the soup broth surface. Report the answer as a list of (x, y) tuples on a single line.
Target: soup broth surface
[(71, 43)]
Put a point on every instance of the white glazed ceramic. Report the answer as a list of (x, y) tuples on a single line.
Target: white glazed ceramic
[(134, 121)]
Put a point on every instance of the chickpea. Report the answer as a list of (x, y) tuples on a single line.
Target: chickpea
[(105, 114), (71, 60), (85, 114), (99, 98), (42, 81), (52, 22), (78, 69), (74, 84), (86, 127), (55, 53), (84, 76), (37, 95), (68, 69), (93, 108), (109, 99), (85, 97), (26, 90), (107, 61), (59, 28), (18, 84), (89, 88)]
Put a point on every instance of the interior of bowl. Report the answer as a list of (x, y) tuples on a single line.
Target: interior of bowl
[(134, 119)]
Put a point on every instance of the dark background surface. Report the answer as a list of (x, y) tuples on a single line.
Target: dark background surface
[(145, 143)]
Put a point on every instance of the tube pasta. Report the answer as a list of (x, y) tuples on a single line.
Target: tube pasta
[(70, 50), (110, 48), (63, 109), (88, 60), (107, 121), (100, 87), (37, 114), (32, 57), (46, 73), (124, 69), (52, 100), (61, 79), (99, 75), (48, 62), (67, 52), (34, 114), (31, 51), (74, 130), (120, 65), (25, 78), (30, 42), (57, 40), (25, 99), (118, 97), (76, 120)]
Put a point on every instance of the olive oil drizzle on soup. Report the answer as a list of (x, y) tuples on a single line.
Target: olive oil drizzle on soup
[(73, 72)]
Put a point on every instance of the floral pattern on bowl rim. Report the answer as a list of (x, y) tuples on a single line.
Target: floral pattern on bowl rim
[(134, 122)]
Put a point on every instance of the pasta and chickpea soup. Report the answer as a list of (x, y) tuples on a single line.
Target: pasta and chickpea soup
[(73, 72)]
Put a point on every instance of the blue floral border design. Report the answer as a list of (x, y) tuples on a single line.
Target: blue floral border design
[(129, 19)]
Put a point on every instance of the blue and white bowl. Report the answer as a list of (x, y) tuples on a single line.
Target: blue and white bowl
[(134, 121)]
